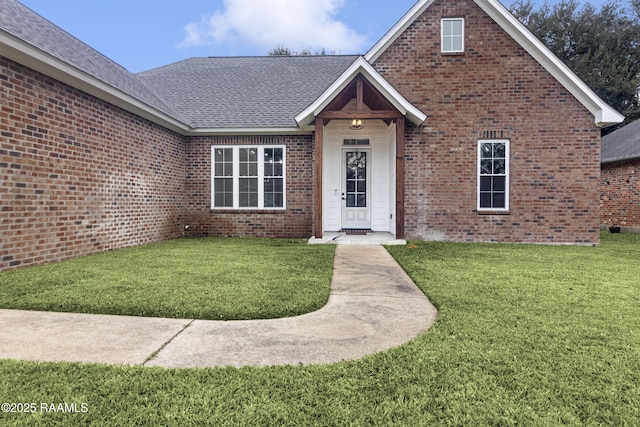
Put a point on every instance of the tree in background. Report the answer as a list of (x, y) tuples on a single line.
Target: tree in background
[(281, 50), (601, 46)]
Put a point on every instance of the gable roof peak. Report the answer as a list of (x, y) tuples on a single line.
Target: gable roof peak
[(604, 115), (362, 66)]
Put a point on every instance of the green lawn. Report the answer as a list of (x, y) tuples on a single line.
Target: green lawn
[(527, 335), (184, 278)]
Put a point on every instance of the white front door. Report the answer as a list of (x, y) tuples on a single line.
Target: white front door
[(356, 189)]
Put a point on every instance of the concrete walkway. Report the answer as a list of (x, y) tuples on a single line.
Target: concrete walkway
[(373, 306)]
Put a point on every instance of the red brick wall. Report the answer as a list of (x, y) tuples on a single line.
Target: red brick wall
[(79, 175), (620, 194), (295, 221), (494, 89)]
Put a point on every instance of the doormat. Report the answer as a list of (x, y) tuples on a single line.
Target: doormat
[(355, 231)]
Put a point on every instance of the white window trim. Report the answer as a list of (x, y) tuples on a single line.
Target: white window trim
[(507, 174), (442, 21), (236, 178)]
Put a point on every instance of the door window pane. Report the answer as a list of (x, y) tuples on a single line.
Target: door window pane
[(356, 185)]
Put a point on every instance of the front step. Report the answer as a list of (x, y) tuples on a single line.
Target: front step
[(370, 238), (356, 231)]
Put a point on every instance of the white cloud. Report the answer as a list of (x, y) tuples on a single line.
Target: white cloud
[(296, 24)]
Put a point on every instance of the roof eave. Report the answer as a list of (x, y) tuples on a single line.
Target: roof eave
[(621, 159), (30, 56), (608, 117), (249, 131)]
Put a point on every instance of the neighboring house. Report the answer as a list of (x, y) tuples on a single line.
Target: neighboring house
[(457, 125), (620, 178)]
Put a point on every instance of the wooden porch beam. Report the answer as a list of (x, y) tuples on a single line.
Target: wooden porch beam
[(317, 191), (345, 115), (400, 128)]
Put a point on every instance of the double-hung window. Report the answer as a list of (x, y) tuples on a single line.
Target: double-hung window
[(248, 177), (452, 35), (493, 175)]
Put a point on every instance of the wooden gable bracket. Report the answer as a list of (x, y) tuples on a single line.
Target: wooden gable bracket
[(364, 94), (359, 94)]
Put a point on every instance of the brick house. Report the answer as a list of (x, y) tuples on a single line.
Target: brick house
[(457, 125), (620, 178)]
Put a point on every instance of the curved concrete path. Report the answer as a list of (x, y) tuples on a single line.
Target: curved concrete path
[(373, 306)]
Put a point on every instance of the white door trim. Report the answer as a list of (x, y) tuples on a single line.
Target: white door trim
[(357, 198)]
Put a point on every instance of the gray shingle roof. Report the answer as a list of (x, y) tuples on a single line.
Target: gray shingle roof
[(26, 25), (622, 144), (245, 92), (233, 92)]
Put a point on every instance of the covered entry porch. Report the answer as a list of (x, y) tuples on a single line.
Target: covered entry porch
[(361, 169), (359, 165)]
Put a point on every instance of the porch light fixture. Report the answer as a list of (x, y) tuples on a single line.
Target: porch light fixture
[(357, 124)]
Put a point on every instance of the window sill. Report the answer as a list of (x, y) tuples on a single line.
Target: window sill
[(452, 53), (278, 211), (493, 212)]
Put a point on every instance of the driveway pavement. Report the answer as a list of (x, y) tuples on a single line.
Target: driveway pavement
[(373, 306)]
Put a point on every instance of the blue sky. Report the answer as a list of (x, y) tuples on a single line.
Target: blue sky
[(143, 34)]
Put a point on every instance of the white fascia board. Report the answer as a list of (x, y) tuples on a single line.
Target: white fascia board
[(608, 117), (391, 36), (250, 131), (38, 60), (389, 92), (604, 115)]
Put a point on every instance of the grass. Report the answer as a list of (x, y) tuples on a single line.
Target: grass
[(186, 278), (526, 335)]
